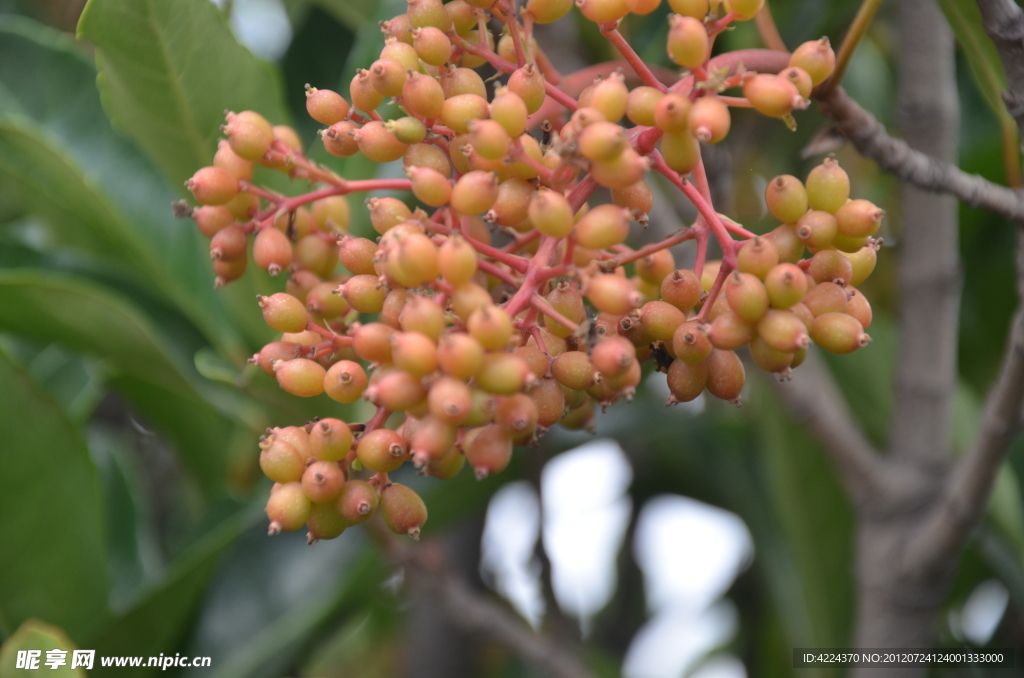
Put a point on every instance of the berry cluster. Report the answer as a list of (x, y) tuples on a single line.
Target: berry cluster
[(503, 303)]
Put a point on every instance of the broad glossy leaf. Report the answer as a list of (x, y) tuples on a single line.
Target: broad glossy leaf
[(35, 635), (169, 70), (96, 190), (160, 622), (53, 556), (82, 316)]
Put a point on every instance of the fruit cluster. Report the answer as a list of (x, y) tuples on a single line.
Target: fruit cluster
[(502, 303)]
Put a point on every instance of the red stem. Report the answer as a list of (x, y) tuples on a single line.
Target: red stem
[(611, 31)]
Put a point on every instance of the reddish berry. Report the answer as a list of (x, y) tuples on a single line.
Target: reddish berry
[(213, 186), (460, 355), (681, 289), (709, 119), (422, 314), (474, 192), (830, 266), (382, 450), (826, 297), (772, 95), (357, 501), (839, 333), (728, 331), (769, 359), (324, 522), (249, 135), (686, 380), (229, 243), (783, 331), (603, 227), (816, 229), (364, 293), (377, 142), (815, 57), (613, 294), (859, 218), (575, 370), (690, 343), (231, 162), (271, 251), (345, 381), (330, 439), (325, 106), (275, 350), (403, 510), (551, 214), (396, 391), (654, 268), (431, 439), (758, 257), (528, 83), (322, 481), (300, 377), (725, 375), (489, 451), (858, 307)]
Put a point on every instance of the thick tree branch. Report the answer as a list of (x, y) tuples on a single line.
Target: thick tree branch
[(870, 138), (814, 400), (929, 271), (475, 613), (965, 497), (1004, 23)]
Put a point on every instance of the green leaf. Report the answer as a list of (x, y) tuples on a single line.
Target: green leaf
[(353, 15), (964, 18), (160, 622), (35, 635), (169, 70), (199, 417), (53, 557), (97, 190), (817, 527)]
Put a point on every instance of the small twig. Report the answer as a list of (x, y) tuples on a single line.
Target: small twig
[(769, 31), (858, 28)]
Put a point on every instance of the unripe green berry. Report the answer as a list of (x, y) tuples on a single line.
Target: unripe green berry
[(602, 141), (660, 320), (863, 262), (421, 314), (249, 135), (503, 373), (386, 213), (828, 186), (324, 522), (603, 227), (551, 214), (786, 285), (786, 198), (449, 465), (746, 9), (287, 508), (429, 13), (801, 79), (491, 326), (698, 9), (432, 45), (401, 52), (783, 331), (456, 81), (414, 353), (688, 44), (546, 11), (757, 256), (609, 96), (575, 370), (459, 110), (747, 296), (817, 58), (408, 130), (681, 151), (625, 170)]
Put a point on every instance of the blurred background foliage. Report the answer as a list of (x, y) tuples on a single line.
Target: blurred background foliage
[(130, 499)]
